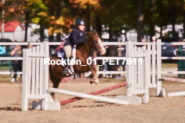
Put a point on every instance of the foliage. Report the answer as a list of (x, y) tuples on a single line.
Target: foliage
[(59, 15)]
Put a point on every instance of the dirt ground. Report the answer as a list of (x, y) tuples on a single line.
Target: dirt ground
[(158, 110)]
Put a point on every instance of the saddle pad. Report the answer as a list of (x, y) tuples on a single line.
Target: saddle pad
[(60, 54)]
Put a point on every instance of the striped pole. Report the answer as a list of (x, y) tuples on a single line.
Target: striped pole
[(94, 93)]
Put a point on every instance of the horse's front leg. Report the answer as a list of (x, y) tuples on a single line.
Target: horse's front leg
[(56, 82), (94, 78), (93, 69)]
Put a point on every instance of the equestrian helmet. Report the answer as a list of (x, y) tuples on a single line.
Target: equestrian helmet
[(79, 22)]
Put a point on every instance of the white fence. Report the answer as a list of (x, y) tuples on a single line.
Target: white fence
[(35, 78), (152, 47), (139, 73)]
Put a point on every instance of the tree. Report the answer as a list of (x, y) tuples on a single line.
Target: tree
[(18, 9), (140, 20)]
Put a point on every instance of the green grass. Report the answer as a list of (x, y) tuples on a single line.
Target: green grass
[(4, 68), (169, 64), (5, 78), (114, 80)]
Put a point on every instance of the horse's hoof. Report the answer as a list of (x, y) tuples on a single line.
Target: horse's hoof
[(96, 83), (96, 80), (56, 100), (91, 82)]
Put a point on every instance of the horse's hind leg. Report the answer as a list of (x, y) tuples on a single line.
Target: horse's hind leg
[(56, 82)]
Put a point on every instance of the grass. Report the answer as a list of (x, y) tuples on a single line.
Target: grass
[(114, 80), (169, 64), (4, 68), (171, 82), (5, 79)]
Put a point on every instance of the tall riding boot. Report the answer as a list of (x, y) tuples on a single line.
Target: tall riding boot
[(66, 70)]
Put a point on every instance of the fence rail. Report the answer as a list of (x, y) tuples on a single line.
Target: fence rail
[(98, 58)]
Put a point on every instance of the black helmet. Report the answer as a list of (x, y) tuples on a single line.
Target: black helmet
[(79, 22)]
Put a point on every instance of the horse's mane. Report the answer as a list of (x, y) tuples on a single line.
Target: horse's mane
[(92, 35)]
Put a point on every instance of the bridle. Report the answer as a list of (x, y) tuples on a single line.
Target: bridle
[(98, 45), (95, 44)]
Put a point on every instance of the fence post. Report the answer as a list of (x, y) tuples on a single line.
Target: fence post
[(159, 67), (25, 86), (46, 76), (153, 64), (129, 48)]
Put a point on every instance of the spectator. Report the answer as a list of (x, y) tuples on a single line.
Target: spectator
[(30, 46), (121, 53), (153, 39), (181, 63), (102, 67), (2, 50), (106, 69), (143, 40), (17, 64)]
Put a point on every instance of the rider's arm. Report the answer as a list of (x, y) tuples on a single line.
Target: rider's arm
[(12, 53), (77, 41)]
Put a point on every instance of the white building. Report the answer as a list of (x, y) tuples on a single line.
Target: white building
[(31, 37), (13, 30)]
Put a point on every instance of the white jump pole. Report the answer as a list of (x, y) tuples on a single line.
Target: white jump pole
[(82, 95), (182, 93)]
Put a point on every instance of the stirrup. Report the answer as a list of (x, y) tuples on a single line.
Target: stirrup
[(67, 72)]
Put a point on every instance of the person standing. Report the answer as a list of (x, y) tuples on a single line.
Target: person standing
[(17, 64), (121, 53), (181, 63), (2, 51)]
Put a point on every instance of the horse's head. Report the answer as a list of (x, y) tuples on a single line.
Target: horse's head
[(96, 42)]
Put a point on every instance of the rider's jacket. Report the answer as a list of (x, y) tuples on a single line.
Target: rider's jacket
[(76, 37), (2, 50)]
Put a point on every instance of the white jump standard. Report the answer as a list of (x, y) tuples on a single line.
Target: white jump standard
[(36, 80), (138, 75)]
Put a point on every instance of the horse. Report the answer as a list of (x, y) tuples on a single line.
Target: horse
[(93, 42)]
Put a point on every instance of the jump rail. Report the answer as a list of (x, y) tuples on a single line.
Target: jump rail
[(176, 94), (94, 93), (88, 96)]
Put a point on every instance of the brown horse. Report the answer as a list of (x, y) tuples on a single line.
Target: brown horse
[(83, 50)]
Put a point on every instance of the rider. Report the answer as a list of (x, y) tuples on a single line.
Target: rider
[(76, 37)]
